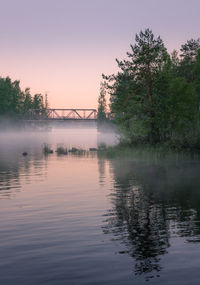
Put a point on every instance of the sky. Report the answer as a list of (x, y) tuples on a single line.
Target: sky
[(62, 47)]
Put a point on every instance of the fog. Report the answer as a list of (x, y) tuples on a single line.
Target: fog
[(15, 140)]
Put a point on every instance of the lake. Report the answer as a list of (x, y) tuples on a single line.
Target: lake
[(90, 219)]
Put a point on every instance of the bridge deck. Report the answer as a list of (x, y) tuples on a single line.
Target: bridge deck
[(62, 114)]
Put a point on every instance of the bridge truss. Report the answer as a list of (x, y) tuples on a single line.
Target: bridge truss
[(62, 114)]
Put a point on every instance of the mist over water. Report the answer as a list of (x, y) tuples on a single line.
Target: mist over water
[(13, 142), (89, 219)]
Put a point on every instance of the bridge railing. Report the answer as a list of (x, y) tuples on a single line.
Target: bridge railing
[(62, 114)]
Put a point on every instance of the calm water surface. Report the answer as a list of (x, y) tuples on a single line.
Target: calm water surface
[(94, 220)]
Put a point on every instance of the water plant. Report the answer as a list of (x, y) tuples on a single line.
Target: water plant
[(92, 149), (102, 146), (47, 149), (73, 149), (77, 151), (61, 150)]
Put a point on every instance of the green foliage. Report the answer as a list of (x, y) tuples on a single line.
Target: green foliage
[(197, 74), (47, 149), (155, 97), (38, 101), (188, 56), (77, 151), (182, 105), (28, 101), (11, 97), (102, 103), (14, 101), (102, 146), (189, 50), (61, 150)]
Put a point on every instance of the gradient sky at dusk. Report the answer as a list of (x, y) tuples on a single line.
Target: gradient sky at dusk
[(63, 46)]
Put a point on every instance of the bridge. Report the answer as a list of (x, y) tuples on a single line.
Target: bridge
[(62, 115)]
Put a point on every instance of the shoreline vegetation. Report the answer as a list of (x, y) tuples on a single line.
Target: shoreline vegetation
[(15, 103), (60, 150), (148, 153), (155, 96)]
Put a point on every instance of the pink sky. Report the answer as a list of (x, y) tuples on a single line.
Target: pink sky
[(62, 47)]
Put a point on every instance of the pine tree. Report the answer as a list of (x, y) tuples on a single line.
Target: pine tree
[(133, 87)]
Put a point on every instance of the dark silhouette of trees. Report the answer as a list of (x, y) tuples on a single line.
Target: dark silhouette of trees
[(14, 102), (155, 97)]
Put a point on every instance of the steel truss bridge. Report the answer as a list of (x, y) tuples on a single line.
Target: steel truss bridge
[(62, 114)]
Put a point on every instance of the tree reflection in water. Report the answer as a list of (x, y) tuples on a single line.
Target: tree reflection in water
[(151, 204), (13, 168)]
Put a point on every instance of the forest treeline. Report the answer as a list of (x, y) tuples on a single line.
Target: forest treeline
[(155, 96), (14, 102)]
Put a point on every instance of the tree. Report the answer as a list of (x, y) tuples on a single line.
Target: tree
[(15, 102), (46, 103), (38, 101), (189, 51), (27, 101), (197, 73), (102, 103), (148, 57), (182, 107), (134, 86), (11, 97), (152, 98)]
